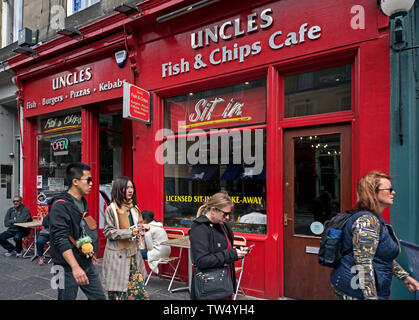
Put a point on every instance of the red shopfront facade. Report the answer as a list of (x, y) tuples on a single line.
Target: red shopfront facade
[(72, 111), (284, 104)]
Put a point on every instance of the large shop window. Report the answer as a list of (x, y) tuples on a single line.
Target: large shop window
[(216, 140), (322, 91), (58, 145)]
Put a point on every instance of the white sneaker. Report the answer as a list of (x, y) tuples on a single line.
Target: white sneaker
[(18, 254), (9, 254)]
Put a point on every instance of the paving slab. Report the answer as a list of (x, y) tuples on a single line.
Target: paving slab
[(23, 279)]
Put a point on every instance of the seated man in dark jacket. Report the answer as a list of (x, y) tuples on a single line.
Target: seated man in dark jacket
[(18, 213)]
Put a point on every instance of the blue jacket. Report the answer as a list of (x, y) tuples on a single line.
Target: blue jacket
[(388, 249)]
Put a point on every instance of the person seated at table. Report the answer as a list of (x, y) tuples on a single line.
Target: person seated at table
[(42, 239), (256, 215), (153, 239), (16, 214)]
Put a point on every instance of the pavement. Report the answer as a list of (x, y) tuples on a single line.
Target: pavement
[(23, 279)]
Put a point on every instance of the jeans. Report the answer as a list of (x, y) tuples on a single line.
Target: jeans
[(93, 290), (144, 253), (40, 244), (17, 237)]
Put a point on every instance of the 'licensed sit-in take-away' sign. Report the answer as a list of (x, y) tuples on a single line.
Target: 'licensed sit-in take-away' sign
[(137, 104)]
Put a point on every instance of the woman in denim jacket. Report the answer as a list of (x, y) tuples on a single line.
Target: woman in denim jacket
[(366, 271)]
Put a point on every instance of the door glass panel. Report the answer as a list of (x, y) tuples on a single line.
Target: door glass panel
[(316, 182), (110, 155)]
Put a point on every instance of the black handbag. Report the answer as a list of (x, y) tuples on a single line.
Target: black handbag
[(213, 284)]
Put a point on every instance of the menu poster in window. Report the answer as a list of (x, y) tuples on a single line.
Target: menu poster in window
[(219, 111), (42, 198), (56, 184), (39, 182)]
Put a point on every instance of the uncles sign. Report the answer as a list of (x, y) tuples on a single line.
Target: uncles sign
[(80, 85)]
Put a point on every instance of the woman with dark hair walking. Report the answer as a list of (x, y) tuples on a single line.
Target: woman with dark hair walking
[(123, 266)]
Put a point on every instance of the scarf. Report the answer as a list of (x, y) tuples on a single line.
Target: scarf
[(123, 213)]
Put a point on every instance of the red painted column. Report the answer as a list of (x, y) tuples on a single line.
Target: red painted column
[(147, 173), (30, 169), (371, 141), (274, 284), (90, 154), (127, 148)]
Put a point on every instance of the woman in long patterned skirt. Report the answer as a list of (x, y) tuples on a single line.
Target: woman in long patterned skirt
[(123, 266)]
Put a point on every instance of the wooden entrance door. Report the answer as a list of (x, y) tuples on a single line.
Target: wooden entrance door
[(317, 186)]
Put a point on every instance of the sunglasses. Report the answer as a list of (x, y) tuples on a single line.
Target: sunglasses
[(389, 189), (16, 201), (224, 212), (88, 180)]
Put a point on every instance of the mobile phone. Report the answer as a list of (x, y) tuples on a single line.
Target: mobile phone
[(250, 248)]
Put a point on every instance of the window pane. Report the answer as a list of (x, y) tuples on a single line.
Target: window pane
[(74, 6), (77, 5), (55, 152), (232, 106), (234, 162), (327, 90)]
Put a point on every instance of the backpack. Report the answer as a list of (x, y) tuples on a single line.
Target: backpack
[(331, 241), (88, 227)]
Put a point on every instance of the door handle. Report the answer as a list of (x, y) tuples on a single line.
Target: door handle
[(286, 214), (286, 219)]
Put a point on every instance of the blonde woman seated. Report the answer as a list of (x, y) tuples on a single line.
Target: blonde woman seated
[(153, 239), (123, 266)]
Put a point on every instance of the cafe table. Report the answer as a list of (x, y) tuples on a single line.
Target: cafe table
[(35, 224), (182, 242)]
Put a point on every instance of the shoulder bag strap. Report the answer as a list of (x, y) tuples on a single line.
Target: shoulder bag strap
[(69, 237)]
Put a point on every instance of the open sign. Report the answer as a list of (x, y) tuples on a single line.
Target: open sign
[(60, 146)]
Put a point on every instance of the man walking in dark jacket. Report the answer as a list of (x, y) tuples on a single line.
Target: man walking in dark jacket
[(18, 213), (65, 216)]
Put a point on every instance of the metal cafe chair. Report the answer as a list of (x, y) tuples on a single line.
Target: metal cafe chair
[(29, 241), (239, 241), (412, 251), (174, 260), (48, 250)]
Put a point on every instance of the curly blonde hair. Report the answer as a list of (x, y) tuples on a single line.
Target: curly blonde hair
[(218, 200), (366, 192)]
